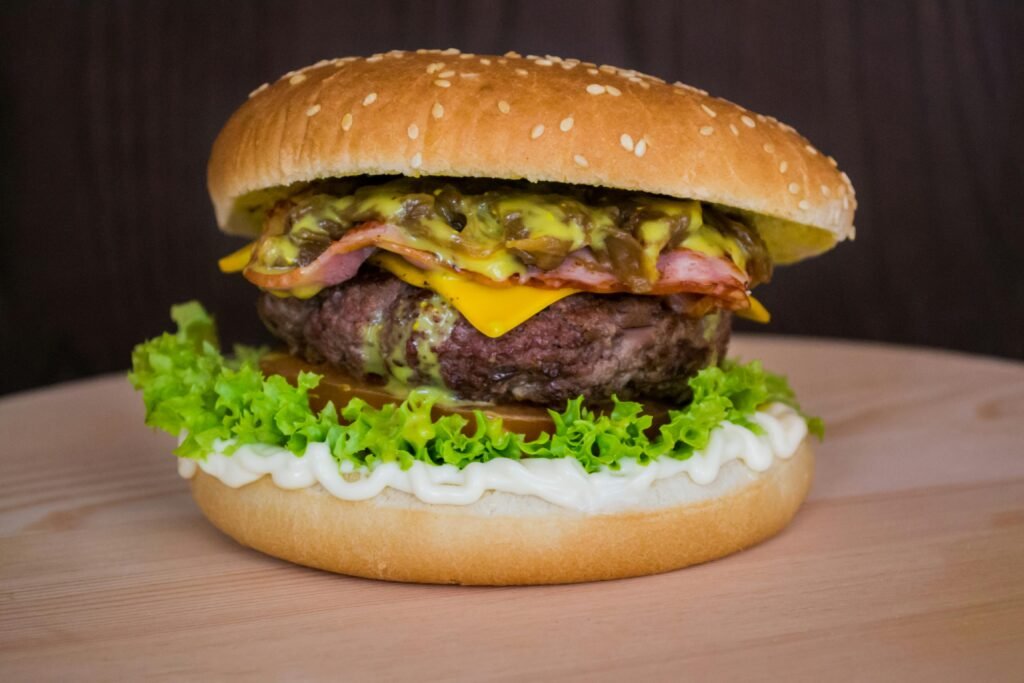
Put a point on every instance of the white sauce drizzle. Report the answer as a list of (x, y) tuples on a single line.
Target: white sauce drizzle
[(561, 481)]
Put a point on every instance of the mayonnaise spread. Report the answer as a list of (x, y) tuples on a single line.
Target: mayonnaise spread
[(561, 481)]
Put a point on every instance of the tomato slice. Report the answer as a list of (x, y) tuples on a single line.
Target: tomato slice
[(339, 387)]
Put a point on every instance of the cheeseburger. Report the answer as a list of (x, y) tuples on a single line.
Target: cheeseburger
[(503, 289)]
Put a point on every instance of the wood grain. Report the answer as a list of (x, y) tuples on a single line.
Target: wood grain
[(108, 110), (905, 564)]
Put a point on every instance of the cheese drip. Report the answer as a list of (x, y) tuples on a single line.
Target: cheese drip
[(492, 310)]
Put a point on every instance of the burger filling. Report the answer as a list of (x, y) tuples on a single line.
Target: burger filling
[(460, 322)]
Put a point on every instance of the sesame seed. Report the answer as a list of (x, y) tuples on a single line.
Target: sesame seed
[(503, 107), (375, 58), (566, 125), (592, 72), (833, 162), (313, 111), (369, 99), (450, 51), (762, 118), (485, 62), (435, 67), (709, 111), (612, 90), (437, 111), (626, 140), (346, 121), (543, 62), (522, 72), (580, 160), (512, 53), (768, 147), (297, 78), (568, 65), (413, 131), (641, 147), (846, 202), (794, 188), (467, 55), (747, 121), (825, 191), (644, 84), (846, 179), (441, 83), (446, 74), (416, 161), (706, 130), (734, 130), (607, 68), (258, 90), (595, 89), (783, 166), (804, 204), (810, 150), (537, 131)]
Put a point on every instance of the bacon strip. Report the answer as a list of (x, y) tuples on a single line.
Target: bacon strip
[(340, 262), (702, 274), (682, 270)]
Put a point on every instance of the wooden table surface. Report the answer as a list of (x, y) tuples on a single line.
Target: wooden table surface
[(906, 563)]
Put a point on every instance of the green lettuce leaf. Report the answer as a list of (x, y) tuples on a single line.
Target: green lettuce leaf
[(191, 390)]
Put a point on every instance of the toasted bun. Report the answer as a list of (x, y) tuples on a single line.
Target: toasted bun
[(506, 539), (451, 114)]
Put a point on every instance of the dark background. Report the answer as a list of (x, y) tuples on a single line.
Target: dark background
[(108, 110)]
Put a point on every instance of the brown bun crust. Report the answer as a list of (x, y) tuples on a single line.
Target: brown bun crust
[(506, 539), (450, 114)]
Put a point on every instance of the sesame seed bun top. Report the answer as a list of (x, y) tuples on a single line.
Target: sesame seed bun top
[(542, 119)]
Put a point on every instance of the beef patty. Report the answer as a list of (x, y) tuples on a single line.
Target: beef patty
[(378, 328)]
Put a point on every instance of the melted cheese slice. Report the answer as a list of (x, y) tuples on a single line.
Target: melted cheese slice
[(757, 312), (492, 310), (236, 261)]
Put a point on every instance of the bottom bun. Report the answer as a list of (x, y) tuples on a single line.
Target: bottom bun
[(507, 539)]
